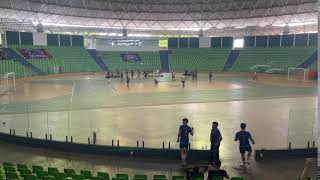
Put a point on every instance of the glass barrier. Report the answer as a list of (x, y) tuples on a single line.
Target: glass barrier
[(302, 127), (157, 126)]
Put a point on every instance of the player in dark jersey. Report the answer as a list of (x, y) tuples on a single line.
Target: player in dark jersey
[(128, 82), (243, 137), (132, 74), (156, 82), (139, 74), (173, 76), (214, 171), (210, 76), (183, 138), (215, 139), (121, 76)]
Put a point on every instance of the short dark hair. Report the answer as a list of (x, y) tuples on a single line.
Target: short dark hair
[(185, 120), (217, 163), (243, 125), (216, 123)]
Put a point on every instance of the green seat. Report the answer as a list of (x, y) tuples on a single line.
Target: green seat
[(86, 174), (141, 176), (197, 178), (10, 169), (42, 174), (8, 164), (178, 178), (104, 175), (236, 178), (60, 176), (97, 178), (12, 175), (69, 172), (30, 177), (49, 178), (37, 168), (25, 171), (122, 176), (78, 177), (217, 178), (159, 177), (22, 166), (52, 171)]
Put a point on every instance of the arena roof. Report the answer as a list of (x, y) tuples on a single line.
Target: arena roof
[(213, 17)]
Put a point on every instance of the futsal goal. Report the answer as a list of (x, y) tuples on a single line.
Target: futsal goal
[(298, 74), (7, 83)]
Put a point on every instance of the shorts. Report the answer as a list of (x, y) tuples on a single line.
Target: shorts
[(184, 145), (243, 150)]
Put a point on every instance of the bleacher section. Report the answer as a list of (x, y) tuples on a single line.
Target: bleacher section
[(277, 57), (22, 171), (72, 59), (314, 66), (149, 60), (14, 66), (199, 58)]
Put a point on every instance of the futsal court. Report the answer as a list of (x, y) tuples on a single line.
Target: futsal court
[(79, 104)]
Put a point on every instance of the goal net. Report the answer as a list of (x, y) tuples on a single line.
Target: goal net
[(7, 83), (298, 74)]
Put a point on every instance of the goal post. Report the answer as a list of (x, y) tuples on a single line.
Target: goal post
[(7, 83), (298, 74)]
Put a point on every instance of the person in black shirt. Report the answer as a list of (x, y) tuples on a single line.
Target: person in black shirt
[(210, 76), (195, 172), (139, 77), (132, 73), (243, 137), (156, 82), (121, 76), (196, 75), (173, 77), (214, 171), (215, 139), (183, 139), (128, 81)]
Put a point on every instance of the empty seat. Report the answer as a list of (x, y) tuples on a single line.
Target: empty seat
[(22, 166), (41, 174), (141, 176), (60, 176), (69, 172), (12, 175), (52, 171), (86, 174), (122, 176), (30, 177), (37, 168), (104, 175)]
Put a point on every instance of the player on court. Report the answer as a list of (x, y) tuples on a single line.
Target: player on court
[(210, 76), (243, 137), (254, 76), (128, 82), (215, 139), (156, 82), (139, 76), (173, 76), (183, 80), (183, 138)]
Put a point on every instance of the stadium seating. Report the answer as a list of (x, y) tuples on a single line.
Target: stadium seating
[(149, 60), (314, 66), (277, 57), (14, 66), (72, 59), (199, 58), (17, 172)]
